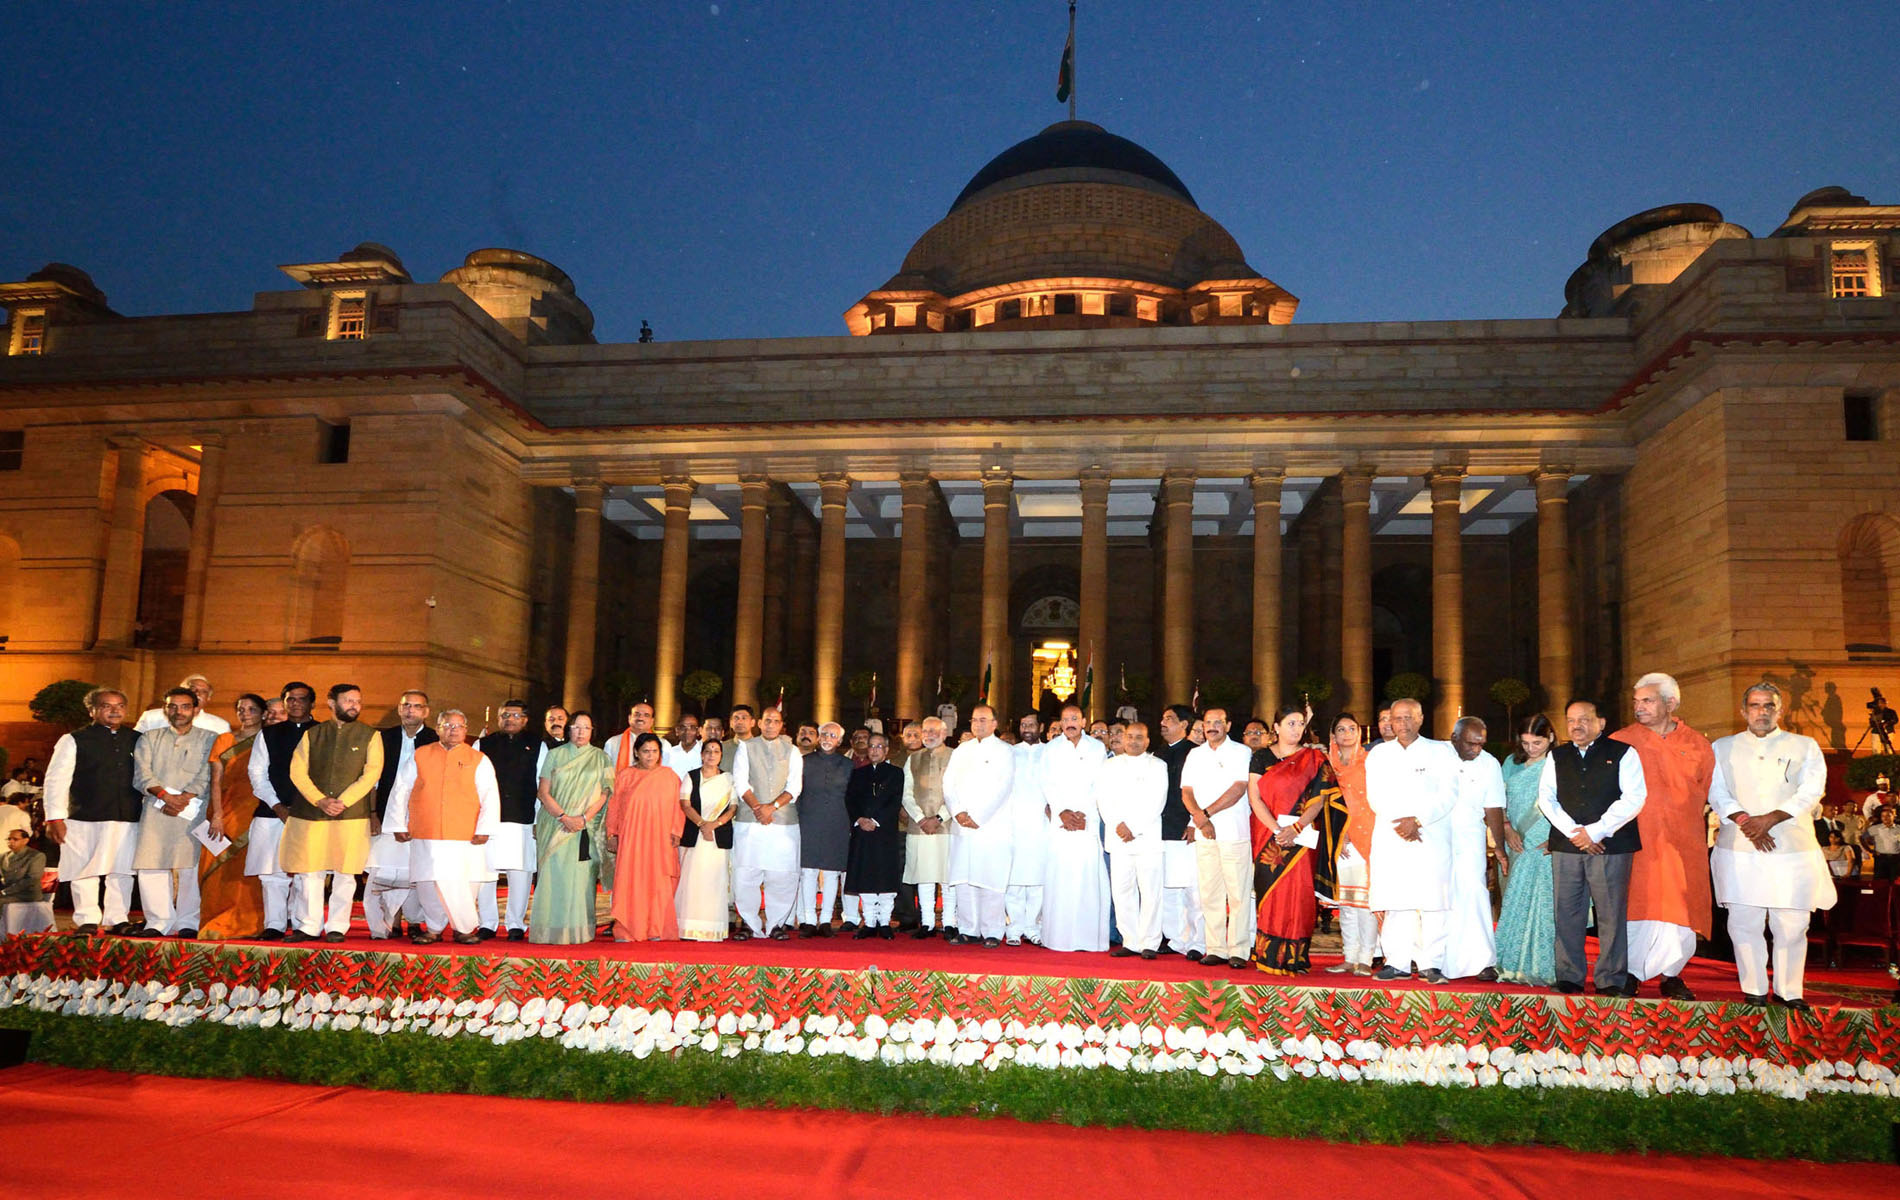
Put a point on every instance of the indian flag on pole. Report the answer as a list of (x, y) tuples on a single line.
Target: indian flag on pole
[(1088, 684), (984, 697), (1065, 74)]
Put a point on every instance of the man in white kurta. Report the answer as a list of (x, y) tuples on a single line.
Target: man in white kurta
[(1130, 792), (1030, 855), (1471, 947), (976, 790), (172, 771), (1214, 791), (768, 772), (681, 755), (1075, 892), (619, 747), (444, 805), (92, 813), (1767, 867), (1412, 788), (1182, 930)]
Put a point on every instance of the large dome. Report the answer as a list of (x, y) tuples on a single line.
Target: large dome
[(1073, 152), (1074, 228)]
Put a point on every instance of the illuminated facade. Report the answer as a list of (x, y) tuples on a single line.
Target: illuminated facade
[(1077, 430)]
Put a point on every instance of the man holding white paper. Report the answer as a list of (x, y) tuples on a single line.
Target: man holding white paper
[(171, 768)]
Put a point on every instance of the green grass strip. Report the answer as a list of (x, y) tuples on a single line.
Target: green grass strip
[(1830, 1128)]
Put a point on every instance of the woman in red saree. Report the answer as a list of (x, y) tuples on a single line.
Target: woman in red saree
[(231, 903), (1298, 817), (644, 823)]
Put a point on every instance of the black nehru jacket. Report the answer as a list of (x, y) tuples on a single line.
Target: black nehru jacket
[(1587, 785), (280, 742), (689, 837), (392, 760), (102, 775), (513, 755), (1174, 814)]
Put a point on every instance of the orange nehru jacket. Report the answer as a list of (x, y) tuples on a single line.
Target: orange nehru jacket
[(444, 806)]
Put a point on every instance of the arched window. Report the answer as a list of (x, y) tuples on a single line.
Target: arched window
[(319, 578), (1870, 569)]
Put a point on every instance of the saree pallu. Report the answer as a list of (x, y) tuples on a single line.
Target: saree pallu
[(1527, 918), (563, 911), (704, 900), (1289, 881), (231, 903)]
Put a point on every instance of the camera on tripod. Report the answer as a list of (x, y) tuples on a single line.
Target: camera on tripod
[(1881, 722)]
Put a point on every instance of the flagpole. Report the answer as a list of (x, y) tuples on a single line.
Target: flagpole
[(1071, 60)]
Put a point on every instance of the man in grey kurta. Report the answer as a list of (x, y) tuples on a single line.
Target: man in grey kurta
[(824, 833), (171, 768)]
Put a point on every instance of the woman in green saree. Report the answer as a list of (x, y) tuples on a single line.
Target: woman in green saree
[(569, 837)]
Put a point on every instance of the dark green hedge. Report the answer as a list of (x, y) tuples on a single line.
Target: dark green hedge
[(1822, 1128)]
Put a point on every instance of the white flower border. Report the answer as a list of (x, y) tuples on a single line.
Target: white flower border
[(1142, 1049)]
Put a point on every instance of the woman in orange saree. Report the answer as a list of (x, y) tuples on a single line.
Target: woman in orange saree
[(644, 823), (231, 902)]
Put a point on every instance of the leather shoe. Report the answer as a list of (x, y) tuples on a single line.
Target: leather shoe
[(88, 927), (1239, 964), (333, 936), (1432, 975), (1752, 1001), (991, 943), (483, 934), (271, 935), (1388, 974), (1565, 987), (866, 932), (824, 931), (924, 933), (1673, 988), (422, 937), (186, 935), (806, 930), (1626, 990), (1121, 952), (1488, 975), (124, 928), (1797, 1004), (782, 934), (1166, 948), (146, 931), (1149, 954), (848, 927), (1212, 960), (469, 939), (298, 935), (1193, 956), (887, 933), (517, 935)]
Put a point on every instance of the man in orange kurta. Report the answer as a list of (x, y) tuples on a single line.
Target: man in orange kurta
[(1670, 901), (644, 822)]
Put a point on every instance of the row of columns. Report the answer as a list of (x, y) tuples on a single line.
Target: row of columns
[(1174, 519)]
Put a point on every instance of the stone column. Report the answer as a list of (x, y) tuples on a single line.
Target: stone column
[(834, 489), (1267, 687), (125, 546), (204, 516), (669, 650), (1355, 591), (1448, 597), (1092, 642), (779, 569), (748, 642), (913, 596), (1177, 588), (583, 597), (1555, 670), (997, 487)]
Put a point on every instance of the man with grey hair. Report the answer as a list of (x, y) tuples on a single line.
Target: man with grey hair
[(1669, 877), (824, 834), (768, 772), (1768, 868), (1412, 789), (976, 788), (92, 813), (1471, 948), (927, 846), (199, 686), (444, 806)]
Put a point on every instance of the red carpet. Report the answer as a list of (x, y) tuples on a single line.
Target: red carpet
[(1711, 980), (98, 1133)]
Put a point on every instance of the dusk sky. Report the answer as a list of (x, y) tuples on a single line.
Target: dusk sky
[(738, 169)]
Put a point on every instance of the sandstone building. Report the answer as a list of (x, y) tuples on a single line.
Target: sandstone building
[(1076, 427)]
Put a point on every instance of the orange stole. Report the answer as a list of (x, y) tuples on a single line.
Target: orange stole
[(444, 806), (1669, 876)]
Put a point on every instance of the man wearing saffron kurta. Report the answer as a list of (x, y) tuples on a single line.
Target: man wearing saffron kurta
[(445, 805), (1670, 902), (644, 823), (334, 769)]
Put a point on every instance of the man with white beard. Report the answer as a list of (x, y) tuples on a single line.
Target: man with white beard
[(1075, 882), (1030, 854), (1411, 787), (1471, 948), (976, 788)]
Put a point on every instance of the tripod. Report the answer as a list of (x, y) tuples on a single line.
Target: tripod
[(1880, 729)]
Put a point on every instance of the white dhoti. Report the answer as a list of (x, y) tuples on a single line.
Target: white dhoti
[(1659, 948), (389, 888), (260, 859), (1181, 898), (1135, 881), (445, 875), (1470, 940), (95, 851), (765, 869), (1075, 892), (1414, 938)]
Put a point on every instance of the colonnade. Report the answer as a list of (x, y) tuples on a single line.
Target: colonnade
[(1174, 525)]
